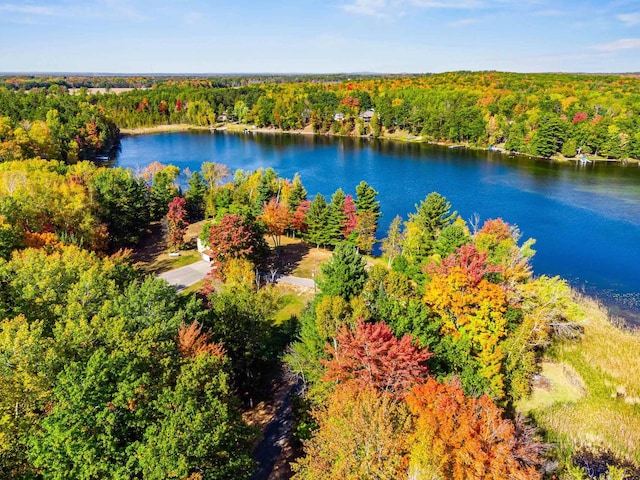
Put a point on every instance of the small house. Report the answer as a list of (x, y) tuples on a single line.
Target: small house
[(367, 115)]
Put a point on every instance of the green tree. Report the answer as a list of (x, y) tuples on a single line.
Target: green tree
[(122, 205), (195, 196), (431, 216), (161, 193), (344, 274), (336, 216), (375, 125), (317, 220), (366, 199), (242, 320), (199, 428), (451, 237), (392, 244), (569, 148), (549, 137), (297, 195)]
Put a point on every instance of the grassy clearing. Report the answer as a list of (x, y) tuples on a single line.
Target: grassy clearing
[(607, 362), (310, 263), (299, 258), (152, 255), (294, 301), (192, 288), (293, 304), (164, 262), (558, 383)]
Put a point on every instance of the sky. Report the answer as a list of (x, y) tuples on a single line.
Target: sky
[(319, 36)]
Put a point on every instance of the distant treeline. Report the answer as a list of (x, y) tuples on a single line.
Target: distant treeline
[(26, 82), (51, 124), (537, 114)]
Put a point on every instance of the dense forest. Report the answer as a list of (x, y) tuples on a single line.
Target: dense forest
[(538, 114), (51, 124)]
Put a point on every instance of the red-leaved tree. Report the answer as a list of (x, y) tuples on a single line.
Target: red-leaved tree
[(473, 263), (351, 220), (300, 216), (232, 237), (177, 220), (372, 356)]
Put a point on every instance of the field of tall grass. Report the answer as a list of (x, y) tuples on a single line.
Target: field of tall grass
[(589, 394)]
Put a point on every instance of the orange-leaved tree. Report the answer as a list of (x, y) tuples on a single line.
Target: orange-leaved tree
[(277, 218), (465, 438), (361, 434)]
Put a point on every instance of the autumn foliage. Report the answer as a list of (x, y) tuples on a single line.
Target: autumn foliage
[(362, 435), (465, 438), (177, 220), (276, 218), (192, 341), (371, 356), (472, 308), (231, 238)]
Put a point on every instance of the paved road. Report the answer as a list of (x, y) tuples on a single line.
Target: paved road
[(301, 282), (184, 277)]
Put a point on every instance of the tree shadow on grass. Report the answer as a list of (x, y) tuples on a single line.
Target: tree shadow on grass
[(151, 245), (291, 256)]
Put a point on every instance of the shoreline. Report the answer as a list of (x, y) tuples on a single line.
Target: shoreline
[(168, 128), (399, 136)]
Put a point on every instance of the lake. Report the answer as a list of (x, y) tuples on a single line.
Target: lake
[(585, 218)]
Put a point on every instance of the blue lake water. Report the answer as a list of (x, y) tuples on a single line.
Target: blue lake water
[(585, 218)]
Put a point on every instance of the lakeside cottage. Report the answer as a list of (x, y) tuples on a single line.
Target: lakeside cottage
[(367, 115)]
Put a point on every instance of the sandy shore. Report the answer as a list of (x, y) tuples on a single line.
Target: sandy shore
[(180, 127)]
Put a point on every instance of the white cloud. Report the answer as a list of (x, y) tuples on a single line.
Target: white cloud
[(394, 8), (629, 19), (120, 9), (622, 44)]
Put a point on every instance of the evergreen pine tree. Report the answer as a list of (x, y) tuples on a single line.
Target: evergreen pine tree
[(318, 218), (366, 199), (298, 193), (344, 274), (424, 226), (337, 216), (195, 196), (161, 194)]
